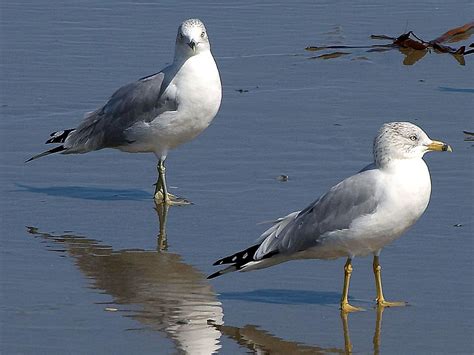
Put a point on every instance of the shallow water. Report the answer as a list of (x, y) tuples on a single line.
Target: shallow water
[(82, 267)]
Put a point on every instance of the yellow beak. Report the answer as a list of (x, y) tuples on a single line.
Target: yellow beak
[(439, 147)]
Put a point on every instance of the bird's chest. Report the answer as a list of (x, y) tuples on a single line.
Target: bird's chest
[(406, 199), (404, 193), (197, 89), (410, 188)]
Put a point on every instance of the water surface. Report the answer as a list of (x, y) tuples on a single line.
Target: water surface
[(81, 259)]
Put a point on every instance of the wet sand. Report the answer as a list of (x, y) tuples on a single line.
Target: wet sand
[(82, 267)]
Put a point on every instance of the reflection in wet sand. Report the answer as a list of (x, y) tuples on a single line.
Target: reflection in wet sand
[(412, 55), (377, 331), (171, 296), (167, 295), (162, 212), (260, 341)]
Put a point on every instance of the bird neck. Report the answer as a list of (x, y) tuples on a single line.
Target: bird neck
[(413, 165), (182, 55)]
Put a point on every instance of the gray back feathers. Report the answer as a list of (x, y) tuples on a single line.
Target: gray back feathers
[(105, 127), (333, 211)]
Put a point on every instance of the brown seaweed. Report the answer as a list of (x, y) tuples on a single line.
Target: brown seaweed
[(412, 46)]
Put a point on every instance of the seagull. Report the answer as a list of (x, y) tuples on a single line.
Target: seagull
[(156, 113), (356, 217)]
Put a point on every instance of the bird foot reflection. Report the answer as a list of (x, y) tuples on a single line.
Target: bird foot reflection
[(348, 308), (162, 213), (376, 340), (384, 303), (171, 199)]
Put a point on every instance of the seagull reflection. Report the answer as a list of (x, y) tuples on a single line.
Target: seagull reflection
[(377, 331), (260, 341), (160, 291), (162, 212)]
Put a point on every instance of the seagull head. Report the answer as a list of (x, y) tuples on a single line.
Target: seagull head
[(404, 140), (192, 38)]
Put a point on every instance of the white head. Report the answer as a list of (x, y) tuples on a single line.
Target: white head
[(403, 140), (191, 39)]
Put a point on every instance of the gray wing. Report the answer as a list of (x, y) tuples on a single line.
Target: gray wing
[(138, 101), (352, 198)]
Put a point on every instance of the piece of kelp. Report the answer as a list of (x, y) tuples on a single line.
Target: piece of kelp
[(413, 47)]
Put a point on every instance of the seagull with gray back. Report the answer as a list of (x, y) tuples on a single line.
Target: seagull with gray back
[(358, 216), (156, 113)]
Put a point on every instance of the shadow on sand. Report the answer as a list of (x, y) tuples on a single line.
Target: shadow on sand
[(90, 193)]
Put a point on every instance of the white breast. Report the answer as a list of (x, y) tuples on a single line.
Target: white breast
[(196, 88), (199, 86), (194, 97), (404, 203)]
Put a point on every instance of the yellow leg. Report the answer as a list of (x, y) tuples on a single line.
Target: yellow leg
[(345, 306), (378, 285), (159, 183), (161, 190)]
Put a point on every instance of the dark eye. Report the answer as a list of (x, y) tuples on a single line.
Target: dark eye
[(203, 34), (413, 138), (181, 36)]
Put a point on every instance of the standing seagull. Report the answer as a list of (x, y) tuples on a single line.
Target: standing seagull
[(356, 217), (156, 113)]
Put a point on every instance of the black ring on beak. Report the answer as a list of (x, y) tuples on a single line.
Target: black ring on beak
[(193, 45)]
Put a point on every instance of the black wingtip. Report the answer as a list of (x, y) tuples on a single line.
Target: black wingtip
[(218, 273), (237, 261), (59, 136), (240, 258), (218, 262), (228, 269), (48, 152)]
